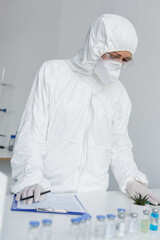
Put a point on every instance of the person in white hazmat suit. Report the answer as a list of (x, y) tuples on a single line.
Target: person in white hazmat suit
[(74, 126)]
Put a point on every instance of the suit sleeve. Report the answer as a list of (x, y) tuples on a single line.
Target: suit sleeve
[(30, 146), (122, 163)]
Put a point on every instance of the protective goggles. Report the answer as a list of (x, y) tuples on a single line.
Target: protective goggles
[(125, 61)]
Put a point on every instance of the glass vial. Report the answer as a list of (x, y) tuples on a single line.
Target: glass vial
[(11, 142), (33, 232), (99, 226), (121, 225), (74, 229), (46, 229), (110, 226), (133, 223), (145, 222), (82, 227), (154, 221), (87, 218)]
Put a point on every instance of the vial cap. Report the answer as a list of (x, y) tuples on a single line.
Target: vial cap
[(134, 215), (86, 216), (83, 219), (121, 210), (155, 210), (13, 136), (80, 219), (34, 223), (47, 221), (75, 220), (100, 217), (146, 212), (111, 216)]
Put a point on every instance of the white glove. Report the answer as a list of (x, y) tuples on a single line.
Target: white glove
[(33, 190), (134, 188)]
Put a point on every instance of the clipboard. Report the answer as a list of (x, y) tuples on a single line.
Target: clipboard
[(14, 207)]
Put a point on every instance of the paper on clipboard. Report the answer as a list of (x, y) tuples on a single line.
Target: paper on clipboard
[(55, 201)]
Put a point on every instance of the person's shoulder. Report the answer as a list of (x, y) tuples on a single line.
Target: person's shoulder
[(54, 65), (53, 72)]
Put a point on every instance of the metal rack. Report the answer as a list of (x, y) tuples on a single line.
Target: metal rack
[(4, 110)]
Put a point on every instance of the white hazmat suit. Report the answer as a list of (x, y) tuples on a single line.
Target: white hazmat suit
[(74, 127)]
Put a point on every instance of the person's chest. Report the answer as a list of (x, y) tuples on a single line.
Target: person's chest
[(81, 110)]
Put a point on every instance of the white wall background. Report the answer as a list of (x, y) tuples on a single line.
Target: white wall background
[(34, 31)]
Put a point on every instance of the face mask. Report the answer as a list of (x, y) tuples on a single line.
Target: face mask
[(108, 70)]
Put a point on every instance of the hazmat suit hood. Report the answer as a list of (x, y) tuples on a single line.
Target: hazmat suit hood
[(107, 33)]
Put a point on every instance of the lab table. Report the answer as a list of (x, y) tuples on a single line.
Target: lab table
[(5, 154), (16, 223)]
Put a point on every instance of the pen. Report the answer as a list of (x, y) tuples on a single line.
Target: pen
[(51, 210), (22, 199)]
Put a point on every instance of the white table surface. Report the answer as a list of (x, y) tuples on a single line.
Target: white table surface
[(15, 223)]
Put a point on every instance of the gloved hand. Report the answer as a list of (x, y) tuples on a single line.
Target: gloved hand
[(34, 190), (135, 187)]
